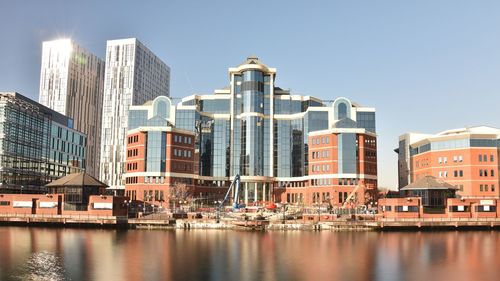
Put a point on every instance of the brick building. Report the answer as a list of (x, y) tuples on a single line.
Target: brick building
[(466, 158)]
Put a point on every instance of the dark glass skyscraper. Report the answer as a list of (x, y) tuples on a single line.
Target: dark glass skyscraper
[(37, 145)]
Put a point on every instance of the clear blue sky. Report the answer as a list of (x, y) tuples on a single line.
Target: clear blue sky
[(426, 66)]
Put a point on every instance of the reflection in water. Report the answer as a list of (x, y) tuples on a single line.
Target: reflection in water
[(77, 254), (42, 266)]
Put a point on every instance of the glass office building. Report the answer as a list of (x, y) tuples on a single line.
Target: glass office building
[(37, 145), (261, 132)]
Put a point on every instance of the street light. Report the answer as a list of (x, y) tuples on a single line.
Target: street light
[(217, 209), (127, 202)]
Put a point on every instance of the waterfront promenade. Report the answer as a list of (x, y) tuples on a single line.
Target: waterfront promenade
[(209, 221)]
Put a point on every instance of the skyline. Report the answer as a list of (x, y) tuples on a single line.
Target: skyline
[(458, 57)]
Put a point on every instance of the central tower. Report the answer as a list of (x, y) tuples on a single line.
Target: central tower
[(252, 87)]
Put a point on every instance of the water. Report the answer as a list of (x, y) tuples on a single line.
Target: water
[(80, 254)]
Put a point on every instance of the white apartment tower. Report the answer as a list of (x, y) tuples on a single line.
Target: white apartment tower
[(133, 76), (71, 83)]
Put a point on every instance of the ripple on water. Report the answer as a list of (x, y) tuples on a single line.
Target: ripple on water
[(41, 266)]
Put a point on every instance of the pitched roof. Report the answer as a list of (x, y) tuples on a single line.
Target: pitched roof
[(428, 182), (78, 179), (252, 60)]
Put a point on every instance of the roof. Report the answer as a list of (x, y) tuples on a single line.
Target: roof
[(429, 182), (471, 130), (252, 60), (78, 179)]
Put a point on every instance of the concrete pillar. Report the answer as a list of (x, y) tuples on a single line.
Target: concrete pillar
[(246, 192), (256, 193)]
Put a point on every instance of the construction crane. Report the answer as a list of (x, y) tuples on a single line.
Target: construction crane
[(236, 199), (351, 195)]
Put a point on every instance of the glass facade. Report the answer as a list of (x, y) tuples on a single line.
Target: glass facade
[(366, 120), (36, 145), (454, 144), (260, 131), (156, 151), (347, 151)]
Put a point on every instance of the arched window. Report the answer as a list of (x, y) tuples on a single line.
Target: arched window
[(342, 111), (162, 108)]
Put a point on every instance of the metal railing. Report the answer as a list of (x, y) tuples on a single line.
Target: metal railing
[(439, 219), (52, 216)]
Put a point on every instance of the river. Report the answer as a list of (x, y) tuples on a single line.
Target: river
[(95, 254)]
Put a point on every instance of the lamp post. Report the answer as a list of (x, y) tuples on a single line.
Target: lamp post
[(217, 211), (127, 202), (283, 208), (319, 212)]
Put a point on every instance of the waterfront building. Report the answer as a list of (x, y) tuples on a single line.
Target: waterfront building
[(286, 148), (71, 83), (37, 145), (466, 158), (76, 189), (133, 76)]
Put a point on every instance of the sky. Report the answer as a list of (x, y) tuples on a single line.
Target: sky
[(426, 66)]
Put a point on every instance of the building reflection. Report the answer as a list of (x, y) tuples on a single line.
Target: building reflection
[(78, 254)]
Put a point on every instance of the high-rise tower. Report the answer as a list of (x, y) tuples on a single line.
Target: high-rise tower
[(71, 83), (133, 76)]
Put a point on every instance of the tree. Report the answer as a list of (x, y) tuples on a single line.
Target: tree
[(182, 192)]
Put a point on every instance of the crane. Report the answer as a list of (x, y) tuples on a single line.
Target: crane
[(235, 184), (351, 195)]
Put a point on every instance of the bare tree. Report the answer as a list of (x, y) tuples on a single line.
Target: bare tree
[(182, 192)]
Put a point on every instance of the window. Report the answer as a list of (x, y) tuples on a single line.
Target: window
[(445, 160), (492, 173), (455, 158), (485, 187), (406, 209), (485, 158), (461, 173), (492, 187), (440, 174), (491, 158), (486, 208), (481, 173), (480, 158), (440, 160), (459, 208), (480, 187), (455, 173), (460, 158)]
